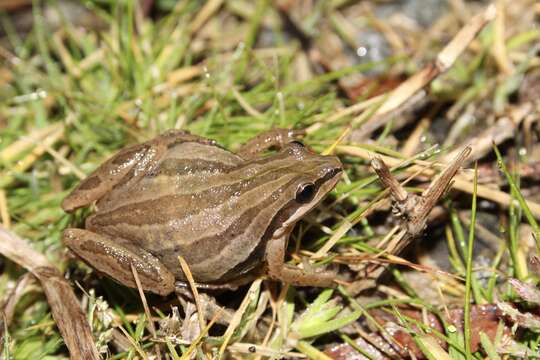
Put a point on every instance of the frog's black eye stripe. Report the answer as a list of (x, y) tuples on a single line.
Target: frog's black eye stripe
[(305, 193)]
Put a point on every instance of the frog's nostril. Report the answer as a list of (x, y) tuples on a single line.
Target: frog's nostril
[(336, 171), (330, 172)]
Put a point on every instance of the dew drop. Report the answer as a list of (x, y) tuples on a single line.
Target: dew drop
[(206, 72), (361, 51)]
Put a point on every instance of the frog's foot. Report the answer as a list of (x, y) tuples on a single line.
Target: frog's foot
[(275, 138), (278, 270), (180, 285), (114, 257)]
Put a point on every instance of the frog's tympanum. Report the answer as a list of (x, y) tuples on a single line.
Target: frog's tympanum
[(228, 215)]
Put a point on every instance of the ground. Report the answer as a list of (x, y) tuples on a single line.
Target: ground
[(410, 84)]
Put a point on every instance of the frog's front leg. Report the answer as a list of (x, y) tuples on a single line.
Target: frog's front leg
[(114, 257), (275, 138), (278, 270)]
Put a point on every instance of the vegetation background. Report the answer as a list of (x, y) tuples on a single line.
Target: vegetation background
[(81, 80)]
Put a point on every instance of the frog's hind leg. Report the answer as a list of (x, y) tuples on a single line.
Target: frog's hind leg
[(129, 163), (114, 257)]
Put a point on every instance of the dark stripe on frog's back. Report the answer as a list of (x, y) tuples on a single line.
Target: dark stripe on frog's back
[(195, 175), (242, 242), (174, 206), (125, 189), (149, 192), (172, 167)]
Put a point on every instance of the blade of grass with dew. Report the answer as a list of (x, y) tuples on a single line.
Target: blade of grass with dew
[(454, 340), (527, 212), (516, 253), (431, 348), (488, 346), (356, 347), (311, 352), (458, 229), (468, 285)]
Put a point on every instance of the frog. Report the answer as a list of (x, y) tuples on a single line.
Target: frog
[(229, 215)]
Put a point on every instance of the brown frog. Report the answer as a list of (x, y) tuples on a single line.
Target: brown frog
[(228, 215)]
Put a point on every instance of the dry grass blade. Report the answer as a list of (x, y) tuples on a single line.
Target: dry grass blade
[(503, 129), (39, 149), (206, 12), (7, 308), (12, 151), (193, 286), (235, 321), (146, 308), (197, 341), (4, 212), (66, 310), (446, 58), (133, 343)]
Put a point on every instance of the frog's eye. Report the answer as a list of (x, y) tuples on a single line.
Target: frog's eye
[(297, 143), (305, 193)]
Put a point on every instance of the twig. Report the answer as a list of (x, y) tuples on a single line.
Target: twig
[(412, 209), (460, 181), (67, 313)]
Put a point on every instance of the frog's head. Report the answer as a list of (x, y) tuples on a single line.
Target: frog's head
[(313, 176)]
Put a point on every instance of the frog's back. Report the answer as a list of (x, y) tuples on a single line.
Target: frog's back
[(180, 170)]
